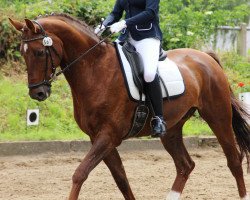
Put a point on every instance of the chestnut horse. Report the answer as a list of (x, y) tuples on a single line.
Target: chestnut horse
[(103, 110)]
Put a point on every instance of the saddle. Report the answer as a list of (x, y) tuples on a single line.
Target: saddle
[(132, 69), (142, 110), (135, 61)]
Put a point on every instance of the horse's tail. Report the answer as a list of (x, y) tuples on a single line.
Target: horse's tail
[(240, 115), (240, 124), (215, 57), (241, 127)]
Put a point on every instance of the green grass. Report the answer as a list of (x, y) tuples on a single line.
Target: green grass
[(196, 127), (238, 70), (56, 114), (56, 121)]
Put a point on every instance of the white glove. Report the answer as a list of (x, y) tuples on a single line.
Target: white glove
[(118, 26), (99, 30)]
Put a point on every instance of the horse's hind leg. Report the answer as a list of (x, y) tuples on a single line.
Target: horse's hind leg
[(220, 121), (114, 163), (173, 143)]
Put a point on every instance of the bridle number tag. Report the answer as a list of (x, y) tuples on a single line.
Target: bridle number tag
[(47, 42)]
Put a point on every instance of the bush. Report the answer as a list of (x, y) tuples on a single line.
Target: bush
[(190, 23), (185, 23), (8, 41), (237, 68), (89, 11)]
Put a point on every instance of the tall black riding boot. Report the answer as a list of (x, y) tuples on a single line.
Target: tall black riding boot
[(153, 91)]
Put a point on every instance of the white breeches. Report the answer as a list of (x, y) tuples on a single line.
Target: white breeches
[(149, 49)]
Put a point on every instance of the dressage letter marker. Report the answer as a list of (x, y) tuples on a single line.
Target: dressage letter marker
[(32, 117)]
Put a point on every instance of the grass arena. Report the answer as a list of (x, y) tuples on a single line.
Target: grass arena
[(151, 173)]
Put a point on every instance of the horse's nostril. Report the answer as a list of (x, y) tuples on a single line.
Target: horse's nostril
[(41, 95)]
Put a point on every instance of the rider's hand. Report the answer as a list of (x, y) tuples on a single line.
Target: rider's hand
[(100, 29), (118, 26)]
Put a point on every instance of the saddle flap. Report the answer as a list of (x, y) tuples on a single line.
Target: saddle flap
[(135, 61), (134, 58), (127, 46)]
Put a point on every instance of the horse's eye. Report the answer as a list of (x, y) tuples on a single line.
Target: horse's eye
[(39, 53)]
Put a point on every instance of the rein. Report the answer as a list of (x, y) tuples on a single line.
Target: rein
[(48, 43), (82, 55)]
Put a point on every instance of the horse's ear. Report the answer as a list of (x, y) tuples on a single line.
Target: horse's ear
[(33, 27), (18, 25)]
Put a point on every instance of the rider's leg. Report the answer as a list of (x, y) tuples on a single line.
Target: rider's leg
[(153, 91), (149, 50)]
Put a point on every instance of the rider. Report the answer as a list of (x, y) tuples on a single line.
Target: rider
[(141, 29)]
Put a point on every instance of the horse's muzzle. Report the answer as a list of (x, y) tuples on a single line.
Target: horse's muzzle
[(40, 93)]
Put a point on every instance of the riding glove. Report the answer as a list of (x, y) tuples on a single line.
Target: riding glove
[(118, 26), (100, 29)]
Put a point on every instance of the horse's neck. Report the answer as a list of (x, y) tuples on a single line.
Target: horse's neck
[(75, 42), (89, 72), (84, 75)]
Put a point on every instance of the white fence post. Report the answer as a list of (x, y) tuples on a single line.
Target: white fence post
[(230, 38), (242, 43)]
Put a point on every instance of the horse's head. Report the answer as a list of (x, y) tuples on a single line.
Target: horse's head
[(42, 52)]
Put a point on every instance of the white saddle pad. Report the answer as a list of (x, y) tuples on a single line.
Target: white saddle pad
[(168, 71)]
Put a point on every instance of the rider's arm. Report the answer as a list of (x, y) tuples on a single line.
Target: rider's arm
[(148, 14), (115, 15)]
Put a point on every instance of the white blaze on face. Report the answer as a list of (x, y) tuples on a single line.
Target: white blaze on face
[(25, 47), (172, 195)]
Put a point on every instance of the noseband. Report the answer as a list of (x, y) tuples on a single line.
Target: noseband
[(48, 45)]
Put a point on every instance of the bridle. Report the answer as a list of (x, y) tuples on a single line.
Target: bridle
[(48, 44)]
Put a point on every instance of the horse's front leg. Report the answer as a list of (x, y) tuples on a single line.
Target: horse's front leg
[(114, 163), (101, 147)]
